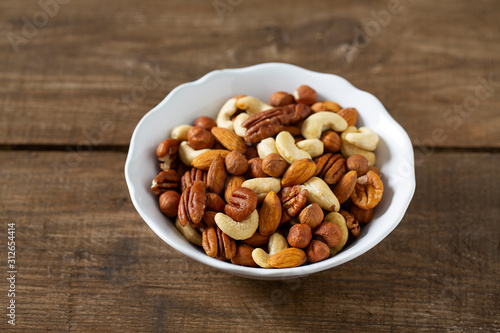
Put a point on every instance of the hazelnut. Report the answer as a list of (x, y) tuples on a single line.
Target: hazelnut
[(236, 163), (331, 141), (299, 236), (255, 168), (317, 251), (205, 122), (357, 163), (281, 98), (273, 165), (306, 95), (376, 170), (362, 215), (243, 256), (251, 153), (330, 233), (200, 138), (169, 203), (311, 215)]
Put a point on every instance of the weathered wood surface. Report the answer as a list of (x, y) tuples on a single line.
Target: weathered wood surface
[(86, 64), (87, 262)]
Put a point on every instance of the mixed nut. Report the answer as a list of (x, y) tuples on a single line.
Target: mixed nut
[(271, 185)]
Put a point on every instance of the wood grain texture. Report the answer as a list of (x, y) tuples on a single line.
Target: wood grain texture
[(87, 262), (81, 69)]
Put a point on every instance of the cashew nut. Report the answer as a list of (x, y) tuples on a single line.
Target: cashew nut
[(189, 232), (262, 186), (285, 143), (180, 132), (224, 117), (314, 147), (238, 129), (365, 138), (319, 122), (277, 243), (238, 230), (348, 149), (320, 193), (252, 105), (187, 154), (339, 220), (266, 147)]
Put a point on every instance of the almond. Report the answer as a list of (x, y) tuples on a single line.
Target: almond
[(232, 184), (299, 172), (291, 257), (270, 214), (345, 186), (350, 115), (229, 139), (216, 176), (203, 161)]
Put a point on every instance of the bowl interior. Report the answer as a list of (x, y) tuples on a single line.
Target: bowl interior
[(205, 97)]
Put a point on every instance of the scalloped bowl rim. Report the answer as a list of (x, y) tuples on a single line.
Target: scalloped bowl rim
[(406, 173)]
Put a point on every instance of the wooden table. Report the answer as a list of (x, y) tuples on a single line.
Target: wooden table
[(72, 90)]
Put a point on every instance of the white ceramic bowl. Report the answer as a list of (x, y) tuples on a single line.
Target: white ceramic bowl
[(206, 96)]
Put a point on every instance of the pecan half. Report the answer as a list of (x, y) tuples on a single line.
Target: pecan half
[(217, 244), (215, 202), (164, 181), (330, 167), (192, 204), (191, 176), (293, 200), (167, 153), (241, 204), (270, 122)]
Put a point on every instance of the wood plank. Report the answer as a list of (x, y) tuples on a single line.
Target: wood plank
[(87, 262), (77, 70)]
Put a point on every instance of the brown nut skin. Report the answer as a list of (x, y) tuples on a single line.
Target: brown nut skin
[(357, 163), (350, 115), (241, 204), (215, 203), (274, 165), (200, 138), (299, 236), (209, 242), (293, 200), (270, 214), (317, 251), (216, 176), (255, 168), (197, 201), (232, 184), (257, 240), (325, 106), (329, 233), (251, 153), (345, 186), (281, 98), (376, 170), (205, 122), (299, 172), (169, 203), (306, 95), (312, 215), (243, 256), (352, 223), (236, 163), (167, 154), (331, 141), (362, 215)]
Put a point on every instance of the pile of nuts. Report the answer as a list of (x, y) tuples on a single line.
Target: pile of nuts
[(271, 185)]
